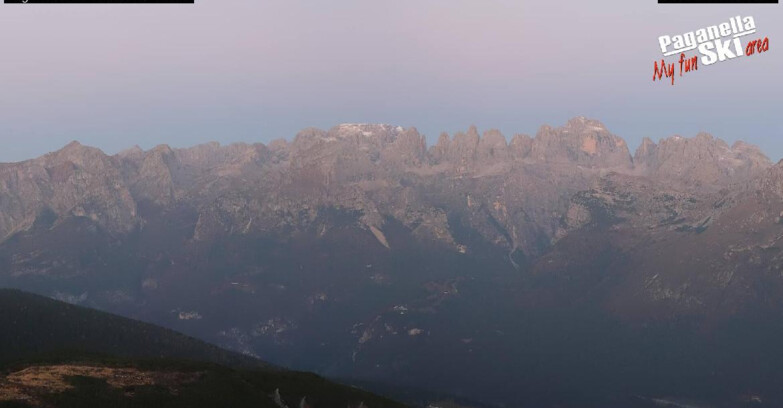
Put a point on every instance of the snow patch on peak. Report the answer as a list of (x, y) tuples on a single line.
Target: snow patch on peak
[(368, 128)]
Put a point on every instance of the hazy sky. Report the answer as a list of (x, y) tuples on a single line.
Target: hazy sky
[(114, 76)]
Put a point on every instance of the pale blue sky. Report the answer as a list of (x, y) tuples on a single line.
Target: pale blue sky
[(114, 76)]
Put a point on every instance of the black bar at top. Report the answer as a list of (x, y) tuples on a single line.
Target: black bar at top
[(718, 1), (99, 1)]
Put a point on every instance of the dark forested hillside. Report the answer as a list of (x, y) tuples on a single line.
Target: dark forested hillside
[(32, 325), (53, 354)]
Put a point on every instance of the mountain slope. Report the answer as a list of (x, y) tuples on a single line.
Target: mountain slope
[(59, 355), (518, 273), (34, 325)]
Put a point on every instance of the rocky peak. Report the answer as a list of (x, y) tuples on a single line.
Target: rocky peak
[(72, 145), (645, 151), (279, 149), (701, 160), (646, 156), (493, 146), (133, 153), (581, 141), (350, 153), (771, 183), (377, 134), (462, 152), (212, 154), (464, 145), (163, 149), (149, 175), (582, 124), (440, 150), (347, 140), (408, 149), (75, 181), (520, 146), (307, 138), (78, 154), (752, 153)]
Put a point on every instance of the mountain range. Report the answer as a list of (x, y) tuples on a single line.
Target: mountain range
[(554, 270)]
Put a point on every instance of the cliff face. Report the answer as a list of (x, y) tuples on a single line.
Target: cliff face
[(76, 181)]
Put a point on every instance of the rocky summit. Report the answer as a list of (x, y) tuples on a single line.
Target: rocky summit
[(516, 271)]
